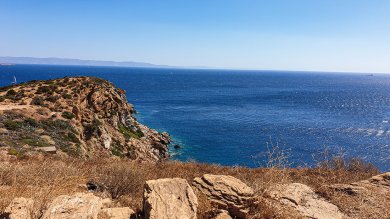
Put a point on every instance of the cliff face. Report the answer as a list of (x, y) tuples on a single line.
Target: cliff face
[(82, 116)]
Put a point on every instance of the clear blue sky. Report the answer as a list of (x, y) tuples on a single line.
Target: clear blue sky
[(328, 35)]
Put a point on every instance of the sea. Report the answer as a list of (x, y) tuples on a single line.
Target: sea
[(244, 118)]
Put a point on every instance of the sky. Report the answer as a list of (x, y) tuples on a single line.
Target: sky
[(328, 35)]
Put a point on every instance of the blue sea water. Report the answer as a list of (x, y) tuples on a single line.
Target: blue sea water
[(229, 116)]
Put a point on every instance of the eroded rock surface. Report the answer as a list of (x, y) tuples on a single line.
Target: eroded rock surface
[(116, 213), (20, 208), (169, 199), (304, 200), (228, 192), (77, 206), (223, 215)]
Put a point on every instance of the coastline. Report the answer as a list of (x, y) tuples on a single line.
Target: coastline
[(89, 145)]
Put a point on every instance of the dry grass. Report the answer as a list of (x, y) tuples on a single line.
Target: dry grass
[(123, 180)]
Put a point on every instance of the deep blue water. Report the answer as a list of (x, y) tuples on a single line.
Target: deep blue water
[(227, 117)]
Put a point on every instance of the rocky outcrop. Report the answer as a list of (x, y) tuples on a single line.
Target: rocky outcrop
[(227, 192), (116, 213), (169, 199), (304, 200), (77, 206), (20, 208), (222, 215), (83, 116), (373, 192)]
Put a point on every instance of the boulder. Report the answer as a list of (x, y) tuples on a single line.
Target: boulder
[(227, 192), (169, 199), (77, 206), (49, 149), (304, 200), (381, 180), (20, 208), (223, 215), (373, 192), (117, 213)]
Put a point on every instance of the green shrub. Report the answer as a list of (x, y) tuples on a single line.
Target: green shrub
[(12, 125), (37, 101), (13, 151), (71, 137), (128, 133), (66, 96), (91, 129), (11, 93), (44, 89), (117, 148), (140, 133), (68, 115), (52, 99), (2, 98), (34, 142), (57, 127), (30, 122)]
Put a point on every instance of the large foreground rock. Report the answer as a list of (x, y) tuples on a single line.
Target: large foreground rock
[(77, 206), (303, 199), (20, 208), (116, 213), (226, 191), (169, 199)]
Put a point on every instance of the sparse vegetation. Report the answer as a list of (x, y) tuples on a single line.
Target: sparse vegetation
[(129, 133), (13, 125), (39, 101), (124, 180), (34, 142), (66, 96), (92, 129), (68, 115)]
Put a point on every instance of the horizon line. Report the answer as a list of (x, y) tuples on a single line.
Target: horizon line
[(164, 66)]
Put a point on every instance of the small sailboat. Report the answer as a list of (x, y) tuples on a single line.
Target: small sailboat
[(14, 82)]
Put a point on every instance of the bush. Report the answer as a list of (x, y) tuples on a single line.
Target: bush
[(66, 96), (13, 151), (37, 101), (34, 142), (11, 93), (129, 133), (117, 149), (12, 125), (92, 129), (121, 178), (30, 122), (68, 115), (44, 89), (52, 99), (71, 137)]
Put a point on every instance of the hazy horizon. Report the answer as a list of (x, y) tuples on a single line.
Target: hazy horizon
[(303, 35), (152, 65)]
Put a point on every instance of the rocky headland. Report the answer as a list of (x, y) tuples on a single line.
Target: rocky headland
[(79, 116), (72, 148)]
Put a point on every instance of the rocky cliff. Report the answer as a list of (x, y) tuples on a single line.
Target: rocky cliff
[(81, 116)]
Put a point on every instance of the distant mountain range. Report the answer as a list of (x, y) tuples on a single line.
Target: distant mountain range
[(64, 61)]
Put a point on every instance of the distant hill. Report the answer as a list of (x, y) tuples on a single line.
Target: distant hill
[(63, 61)]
